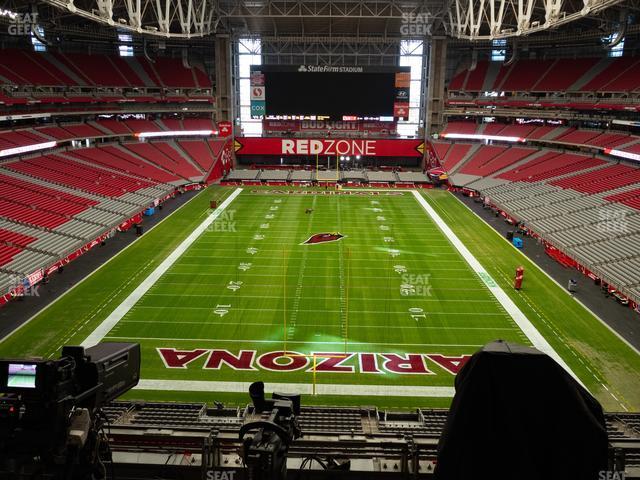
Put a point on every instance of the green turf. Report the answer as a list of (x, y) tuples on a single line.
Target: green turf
[(335, 297), (606, 365)]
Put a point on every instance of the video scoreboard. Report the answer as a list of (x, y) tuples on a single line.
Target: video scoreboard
[(325, 92)]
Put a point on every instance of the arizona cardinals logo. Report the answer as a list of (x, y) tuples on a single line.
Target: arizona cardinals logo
[(323, 238)]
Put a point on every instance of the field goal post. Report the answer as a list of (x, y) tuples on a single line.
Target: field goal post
[(314, 357), (328, 158)]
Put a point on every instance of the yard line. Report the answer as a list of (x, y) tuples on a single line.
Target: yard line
[(296, 210), (383, 251), (243, 232), (330, 325), (178, 307), (291, 324), (536, 339), (301, 342), (357, 259), (304, 388), (342, 281), (328, 218), (367, 277), (409, 226), (323, 267), (293, 235), (108, 323), (198, 246), (324, 297), (315, 286)]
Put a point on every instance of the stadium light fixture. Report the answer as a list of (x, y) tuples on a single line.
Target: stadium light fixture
[(26, 148), (177, 133), (622, 154), (475, 136)]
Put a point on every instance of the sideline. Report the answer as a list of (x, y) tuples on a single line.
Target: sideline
[(304, 388), (121, 310), (595, 315), (93, 272), (536, 338)]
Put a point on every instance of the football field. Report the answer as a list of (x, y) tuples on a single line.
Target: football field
[(392, 287), (345, 296)]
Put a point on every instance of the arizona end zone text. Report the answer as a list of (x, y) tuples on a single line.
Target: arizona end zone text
[(325, 362), (329, 147)]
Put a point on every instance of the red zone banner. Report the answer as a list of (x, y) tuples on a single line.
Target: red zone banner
[(326, 362), (329, 146)]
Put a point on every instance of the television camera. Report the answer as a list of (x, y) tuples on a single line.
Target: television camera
[(50, 417), (267, 433)]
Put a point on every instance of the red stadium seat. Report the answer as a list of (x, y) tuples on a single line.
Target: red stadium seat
[(171, 160), (630, 198), (601, 180), (455, 155), (59, 170), (199, 152), (549, 165)]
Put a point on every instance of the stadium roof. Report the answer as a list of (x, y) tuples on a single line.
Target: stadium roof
[(462, 19)]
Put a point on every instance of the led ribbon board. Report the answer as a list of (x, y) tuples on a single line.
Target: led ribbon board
[(177, 133), (27, 148)]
